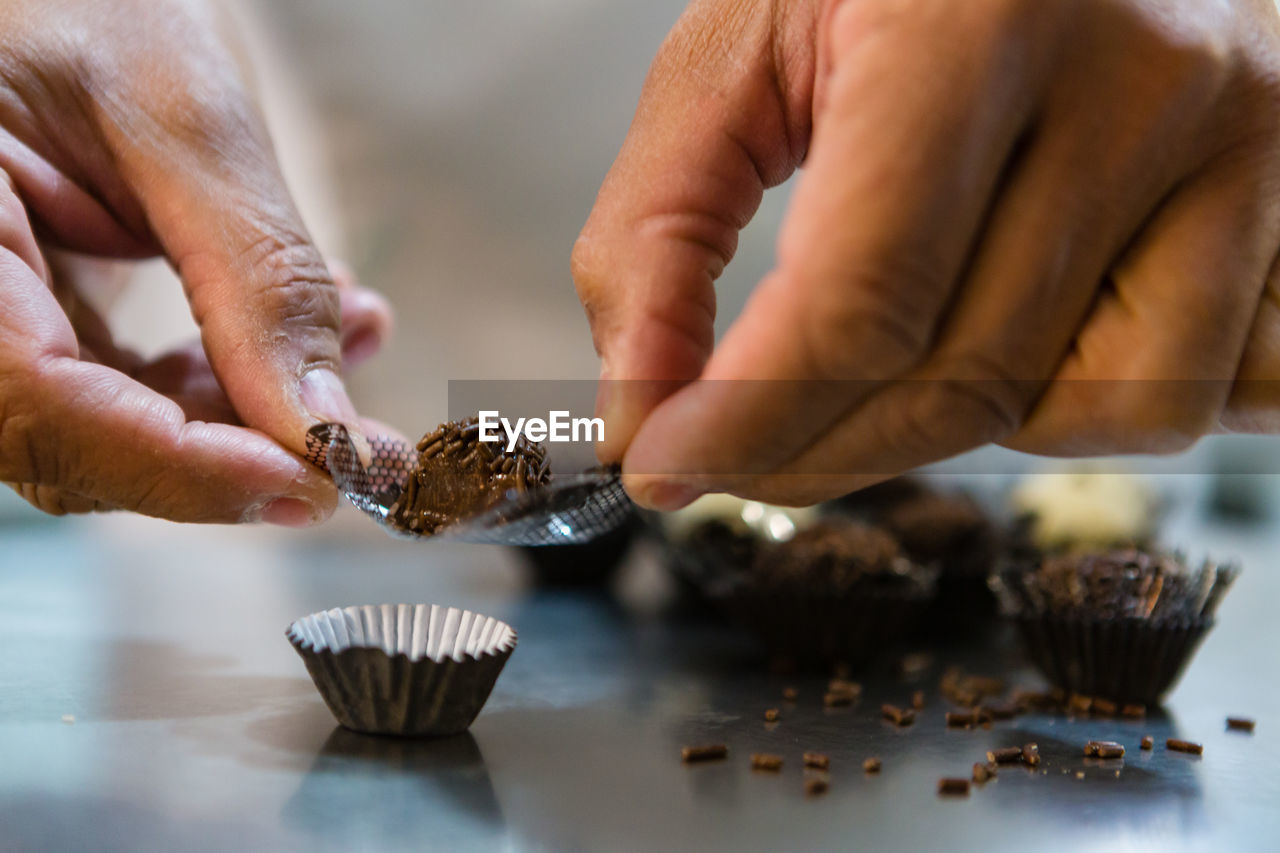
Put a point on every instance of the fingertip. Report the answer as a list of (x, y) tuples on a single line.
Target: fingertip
[(660, 493), (325, 397), (289, 512)]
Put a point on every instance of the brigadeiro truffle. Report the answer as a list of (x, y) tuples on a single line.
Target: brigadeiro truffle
[(837, 591), (711, 542), (457, 476), (1119, 624), (951, 532)]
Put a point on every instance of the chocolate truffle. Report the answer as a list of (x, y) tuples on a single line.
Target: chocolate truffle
[(1129, 583), (838, 591), (717, 537), (1115, 624), (835, 557), (457, 476), (952, 533)]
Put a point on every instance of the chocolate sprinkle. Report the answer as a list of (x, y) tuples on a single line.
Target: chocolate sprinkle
[(708, 752), (457, 476)]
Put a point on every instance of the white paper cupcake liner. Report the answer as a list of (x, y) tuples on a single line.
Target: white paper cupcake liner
[(403, 669)]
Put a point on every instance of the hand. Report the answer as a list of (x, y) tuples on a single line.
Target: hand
[(1043, 223), (126, 131)]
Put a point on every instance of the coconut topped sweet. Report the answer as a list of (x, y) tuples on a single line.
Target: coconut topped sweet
[(1121, 584), (1087, 509), (458, 476)]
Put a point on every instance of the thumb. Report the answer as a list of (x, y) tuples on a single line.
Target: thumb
[(267, 307), (723, 115)]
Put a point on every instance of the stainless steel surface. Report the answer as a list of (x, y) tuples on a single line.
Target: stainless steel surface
[(196, 727)]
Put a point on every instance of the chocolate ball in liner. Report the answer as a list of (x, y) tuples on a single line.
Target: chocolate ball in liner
[(951, 532), (1118, 624), (836, 592), (457, 476), (401, 669), (709, 543)]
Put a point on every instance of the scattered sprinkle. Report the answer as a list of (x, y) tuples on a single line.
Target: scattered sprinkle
[(1005, 755), (707, 752), (1184, 746)]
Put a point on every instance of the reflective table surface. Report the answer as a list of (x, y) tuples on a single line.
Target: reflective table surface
[(196, 728)]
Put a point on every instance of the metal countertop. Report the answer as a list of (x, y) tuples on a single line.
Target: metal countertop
[(196, 727)]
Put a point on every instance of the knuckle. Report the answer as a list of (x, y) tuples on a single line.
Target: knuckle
[(1149, 416), (986, 387), (878, 313), (976, 404), (21, 457), (212, 114), (586, 268), (294, 285), (156, 495)]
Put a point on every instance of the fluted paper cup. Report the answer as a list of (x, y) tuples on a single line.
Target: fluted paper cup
[(1123, 656), (403, 669)]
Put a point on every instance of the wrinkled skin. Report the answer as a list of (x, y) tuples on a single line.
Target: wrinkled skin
[(1051, 224), (127, 130)]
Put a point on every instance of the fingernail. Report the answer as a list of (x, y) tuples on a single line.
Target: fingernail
[(289, 512), (326, 398), (667, 496)]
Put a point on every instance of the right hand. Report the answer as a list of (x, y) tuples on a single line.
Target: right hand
[(1052, 224)]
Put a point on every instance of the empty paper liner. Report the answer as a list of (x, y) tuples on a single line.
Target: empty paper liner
[(403, 669)]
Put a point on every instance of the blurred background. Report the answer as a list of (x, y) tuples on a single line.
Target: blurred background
[(450, 152)]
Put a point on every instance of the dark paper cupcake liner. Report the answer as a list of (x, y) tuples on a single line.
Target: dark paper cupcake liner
[(1125, 660), (412, 670), (588, 564), (816, 630), (963, 606)]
